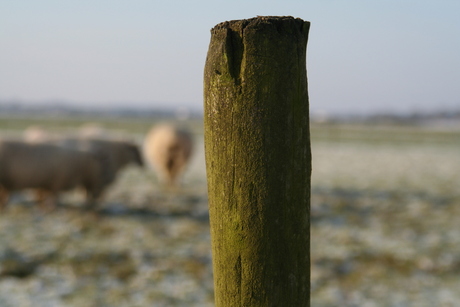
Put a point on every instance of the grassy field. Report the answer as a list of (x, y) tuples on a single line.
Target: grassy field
[(384, 211)]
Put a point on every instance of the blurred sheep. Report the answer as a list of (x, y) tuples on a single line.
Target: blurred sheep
[(93, 130), (91, 137), (119, 154), (36, 134), (49, 169), (168, 149)]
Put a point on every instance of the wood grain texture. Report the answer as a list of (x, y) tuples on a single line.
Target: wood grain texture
[(258, 161)]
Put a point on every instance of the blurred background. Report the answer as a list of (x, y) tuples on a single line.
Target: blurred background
[(385, 133)]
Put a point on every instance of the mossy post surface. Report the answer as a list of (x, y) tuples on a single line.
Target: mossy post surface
[(258, 161)]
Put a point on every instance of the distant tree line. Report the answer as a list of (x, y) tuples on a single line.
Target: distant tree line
[(415, 118), (21, 109)]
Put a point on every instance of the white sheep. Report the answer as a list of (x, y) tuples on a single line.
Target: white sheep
[(93, 130), (36, 134), (168, 149)]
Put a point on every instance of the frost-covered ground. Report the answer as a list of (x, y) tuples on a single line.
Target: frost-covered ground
[(384, 222), (385, 228)]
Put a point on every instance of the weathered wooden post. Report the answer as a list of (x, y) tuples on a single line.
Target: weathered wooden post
[(258, 161)]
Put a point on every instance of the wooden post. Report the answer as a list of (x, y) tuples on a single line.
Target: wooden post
[(258, 161)]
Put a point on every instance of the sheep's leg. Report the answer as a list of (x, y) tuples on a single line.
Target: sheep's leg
[(50, 203), (46, 200), (4, 195), (90, 200), (40, 195)]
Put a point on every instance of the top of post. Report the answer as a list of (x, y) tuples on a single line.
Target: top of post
[(261, 20)]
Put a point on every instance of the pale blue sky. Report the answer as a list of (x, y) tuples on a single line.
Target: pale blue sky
[(362, 56)]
